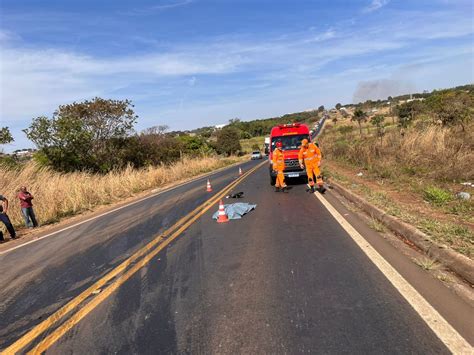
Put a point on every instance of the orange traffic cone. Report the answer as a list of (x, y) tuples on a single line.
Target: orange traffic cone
[(240, 170), (222, 217), (209, 187)]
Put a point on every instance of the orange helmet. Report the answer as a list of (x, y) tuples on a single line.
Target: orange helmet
[(304, 142)]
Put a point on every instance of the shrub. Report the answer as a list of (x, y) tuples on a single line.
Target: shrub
[(452, 107), (436, 195), (435, 152), (83, 136)]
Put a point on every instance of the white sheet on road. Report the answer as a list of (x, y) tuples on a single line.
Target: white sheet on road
[(236, 210)]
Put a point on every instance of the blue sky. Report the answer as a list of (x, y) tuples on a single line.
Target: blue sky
[(190, 63)]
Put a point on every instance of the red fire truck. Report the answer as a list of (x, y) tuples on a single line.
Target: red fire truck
[(290, 135)]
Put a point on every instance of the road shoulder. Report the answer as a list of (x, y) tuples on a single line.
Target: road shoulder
[(453, 305)]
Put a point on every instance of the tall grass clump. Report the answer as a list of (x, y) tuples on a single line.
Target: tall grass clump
[(435, 152), (61, 194), (437, 196)]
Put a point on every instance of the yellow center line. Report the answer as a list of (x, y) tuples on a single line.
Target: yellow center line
[(171, 234)]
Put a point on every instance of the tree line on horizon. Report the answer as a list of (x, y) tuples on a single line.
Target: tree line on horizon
[(98, 135)]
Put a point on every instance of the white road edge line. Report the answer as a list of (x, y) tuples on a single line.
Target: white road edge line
[(443, 330), (197, 178)]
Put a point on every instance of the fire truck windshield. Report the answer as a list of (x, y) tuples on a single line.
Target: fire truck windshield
[(289, 142)]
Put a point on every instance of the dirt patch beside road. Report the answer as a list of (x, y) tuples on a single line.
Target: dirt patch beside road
[(453, 230)]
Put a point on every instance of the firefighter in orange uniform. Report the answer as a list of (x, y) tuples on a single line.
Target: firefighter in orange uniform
[(279, 165), (310, 157)]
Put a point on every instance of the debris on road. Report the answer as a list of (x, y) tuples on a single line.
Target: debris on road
[(236, 195), (463, 195), (235, 210), (467, 184), (359, 174)]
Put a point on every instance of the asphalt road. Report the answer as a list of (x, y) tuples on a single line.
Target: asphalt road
[(284, 279)]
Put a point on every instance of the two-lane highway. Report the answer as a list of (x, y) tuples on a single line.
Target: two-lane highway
[(287, 278)]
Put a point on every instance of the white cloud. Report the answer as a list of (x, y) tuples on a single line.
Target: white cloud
[(34, 81), (171, 5), (157, 8), (329, 34), (375, 5)]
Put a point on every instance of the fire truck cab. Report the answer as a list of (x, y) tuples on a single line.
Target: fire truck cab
[(290, 135)]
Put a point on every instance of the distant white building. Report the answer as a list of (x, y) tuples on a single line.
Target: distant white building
[(416, 99), (220, 126), (22, 153)]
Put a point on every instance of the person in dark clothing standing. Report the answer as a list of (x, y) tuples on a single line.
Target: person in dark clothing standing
[(27, 207), (4, 218)]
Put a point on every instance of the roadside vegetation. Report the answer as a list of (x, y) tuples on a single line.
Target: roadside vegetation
[(412, 157), (90, 155), (252, 144), (58, 194)]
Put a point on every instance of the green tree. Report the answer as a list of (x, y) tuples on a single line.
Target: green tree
[(338, 106), (5, 135), (228, 141), (245, 135), (84, 136), (160, 129), (321, 108), (5, 138), (452, 107), (359, 116), (194, 145), (407, 112), (156, 149), (378, 122)]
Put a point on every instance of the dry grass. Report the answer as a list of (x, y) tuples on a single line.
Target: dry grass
[(451, 233), (58, 195), (426, 263), (376, 225), (434, 152)]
